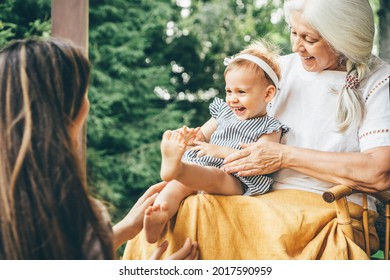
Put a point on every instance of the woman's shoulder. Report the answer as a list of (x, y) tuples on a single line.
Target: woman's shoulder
[(378, 67), (288, 59), (290, 65), (377, 78)]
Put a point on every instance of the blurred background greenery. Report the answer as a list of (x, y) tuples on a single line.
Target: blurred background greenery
[(156, 66)]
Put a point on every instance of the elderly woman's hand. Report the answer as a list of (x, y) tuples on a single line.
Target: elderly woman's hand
[(189, 251), (259, 158)]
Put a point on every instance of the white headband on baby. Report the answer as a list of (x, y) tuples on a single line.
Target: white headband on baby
[(261, 63)]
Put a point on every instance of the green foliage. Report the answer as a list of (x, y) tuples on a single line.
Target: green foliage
[(22, 19), (6, 32)]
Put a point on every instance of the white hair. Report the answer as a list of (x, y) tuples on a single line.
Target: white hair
[(348, 26)]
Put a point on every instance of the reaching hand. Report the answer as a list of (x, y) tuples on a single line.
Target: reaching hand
[(207, 149), (189, 251), (191, 134), (132, 224)]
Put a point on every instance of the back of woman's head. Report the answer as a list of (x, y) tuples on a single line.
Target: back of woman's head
[(348, 26), (44, 207)]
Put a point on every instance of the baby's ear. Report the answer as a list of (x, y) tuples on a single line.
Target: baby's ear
[(270, 93)]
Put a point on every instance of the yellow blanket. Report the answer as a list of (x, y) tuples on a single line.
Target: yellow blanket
[(282, 224)]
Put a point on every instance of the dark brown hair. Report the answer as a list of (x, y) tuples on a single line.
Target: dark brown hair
[(45, 210)]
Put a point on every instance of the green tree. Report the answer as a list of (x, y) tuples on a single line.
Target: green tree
[(22, 19), (384, 30), (127, 118)]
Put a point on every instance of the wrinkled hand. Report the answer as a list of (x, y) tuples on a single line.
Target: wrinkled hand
[(206, 149), (255, 159), (189, 251)]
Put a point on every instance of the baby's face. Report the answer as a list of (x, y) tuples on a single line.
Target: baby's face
[(247, 94)]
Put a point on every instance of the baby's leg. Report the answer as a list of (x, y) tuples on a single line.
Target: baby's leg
[(164, 208), (210, 179), (173, 146)]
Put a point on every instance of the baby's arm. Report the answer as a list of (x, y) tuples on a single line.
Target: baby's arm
[(201, 142), (207, 130), (207, 149), (203, 133)]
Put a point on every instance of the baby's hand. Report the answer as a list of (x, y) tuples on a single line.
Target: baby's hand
[(207, 149), (189, 134)]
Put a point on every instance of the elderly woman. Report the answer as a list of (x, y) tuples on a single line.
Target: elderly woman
[(335, 98)]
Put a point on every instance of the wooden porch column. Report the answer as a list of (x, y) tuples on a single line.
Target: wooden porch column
[(69, 20)]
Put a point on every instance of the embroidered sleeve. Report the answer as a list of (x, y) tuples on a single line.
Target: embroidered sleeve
[(375, 128)]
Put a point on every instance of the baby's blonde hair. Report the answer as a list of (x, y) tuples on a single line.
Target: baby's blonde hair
[(263, 49)]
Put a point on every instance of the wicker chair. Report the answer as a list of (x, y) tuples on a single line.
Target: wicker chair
[(338, 194)]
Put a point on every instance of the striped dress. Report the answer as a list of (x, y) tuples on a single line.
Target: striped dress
[(232, 132)]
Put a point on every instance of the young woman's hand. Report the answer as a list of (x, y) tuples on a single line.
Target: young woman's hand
[(132, 224)]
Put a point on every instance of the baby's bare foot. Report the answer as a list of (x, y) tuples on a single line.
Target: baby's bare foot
[(155, 219), (173, 146)]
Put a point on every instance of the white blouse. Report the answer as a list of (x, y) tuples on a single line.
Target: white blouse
[(306, 104)]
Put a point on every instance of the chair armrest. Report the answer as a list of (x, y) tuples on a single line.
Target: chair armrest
[(336, 193), (339, 191)]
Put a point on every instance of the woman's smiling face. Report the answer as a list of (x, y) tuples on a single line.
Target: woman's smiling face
[(316, 53)]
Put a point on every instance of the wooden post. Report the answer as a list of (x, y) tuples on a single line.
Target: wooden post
[(343, 217), (387, 235), (69, 20), (365, 225)]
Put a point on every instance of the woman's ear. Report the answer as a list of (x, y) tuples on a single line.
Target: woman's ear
[(270, 93), (76, 127)]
